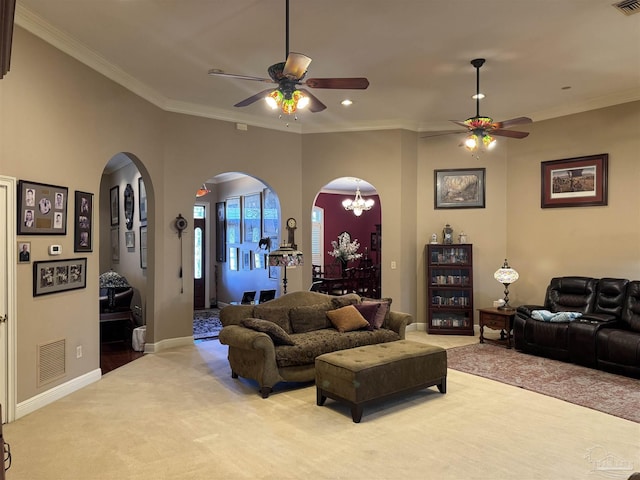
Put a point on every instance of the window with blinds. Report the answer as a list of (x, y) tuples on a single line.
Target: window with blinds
[(317, 236)]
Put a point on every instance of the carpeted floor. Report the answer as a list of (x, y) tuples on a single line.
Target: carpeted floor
[(606, 392), (206, 324)]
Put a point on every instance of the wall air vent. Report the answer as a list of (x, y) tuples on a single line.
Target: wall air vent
[(628, 7), (51, 361)]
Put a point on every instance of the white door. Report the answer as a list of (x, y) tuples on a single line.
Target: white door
[(8, 259)]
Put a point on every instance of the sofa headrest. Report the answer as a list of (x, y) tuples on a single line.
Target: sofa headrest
[(631, 311), (571, 294)]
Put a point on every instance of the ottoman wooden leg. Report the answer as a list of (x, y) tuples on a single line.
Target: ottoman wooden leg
[(320, 398), (442, 386), (356, 413)]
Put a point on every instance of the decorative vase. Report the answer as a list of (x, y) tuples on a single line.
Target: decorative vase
[(343, 266)]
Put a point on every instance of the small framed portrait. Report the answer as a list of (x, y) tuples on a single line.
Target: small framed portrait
[(42, 209), (130, 239), (24, 252), (83, 220)]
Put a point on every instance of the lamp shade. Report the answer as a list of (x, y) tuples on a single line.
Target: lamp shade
[(505, 274), (113, 279), (285, 256)]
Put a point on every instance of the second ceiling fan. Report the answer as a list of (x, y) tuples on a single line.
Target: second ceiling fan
[(289, 77), (481, 129)]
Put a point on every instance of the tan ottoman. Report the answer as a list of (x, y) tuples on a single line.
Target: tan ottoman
[(359, 375)]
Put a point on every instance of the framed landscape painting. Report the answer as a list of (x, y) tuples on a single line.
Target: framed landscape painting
[(459, 188), (574, 182)]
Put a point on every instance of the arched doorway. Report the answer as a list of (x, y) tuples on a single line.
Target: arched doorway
[(236, 224), (122, 225), (339, 231)]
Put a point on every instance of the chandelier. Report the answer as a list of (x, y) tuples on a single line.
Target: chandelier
[(358, 204)]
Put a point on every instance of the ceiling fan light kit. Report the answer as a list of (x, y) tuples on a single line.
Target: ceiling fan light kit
[(288, 76), (481, 130)]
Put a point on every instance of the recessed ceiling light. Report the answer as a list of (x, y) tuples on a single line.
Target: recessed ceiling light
[(478, 96), (346, 102)]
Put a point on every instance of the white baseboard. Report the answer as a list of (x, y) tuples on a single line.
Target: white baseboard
[(168, 343), (56, 393)]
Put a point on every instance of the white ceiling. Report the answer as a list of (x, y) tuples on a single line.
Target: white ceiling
[(415, 53)]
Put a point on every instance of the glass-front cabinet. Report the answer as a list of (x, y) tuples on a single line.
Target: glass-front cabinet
[(449, 289)]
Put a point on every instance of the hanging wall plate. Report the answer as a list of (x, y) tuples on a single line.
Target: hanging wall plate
[(128, 206), (181, 224)]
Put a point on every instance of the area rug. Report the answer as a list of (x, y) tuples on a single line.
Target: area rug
[(206, 323), (606, 392)]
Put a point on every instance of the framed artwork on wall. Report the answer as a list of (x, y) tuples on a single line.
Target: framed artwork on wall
[(233, 220), (459, 188), (42, 209), (246, 259), (83, 222), (53, 276), (143, 246), (115, 244), (575, 182), (114, 205), (221, 234), (130, 239), (252, 217), (24, 252), (142, 201)]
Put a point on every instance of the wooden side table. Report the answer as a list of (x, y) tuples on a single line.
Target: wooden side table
[(497, 319)]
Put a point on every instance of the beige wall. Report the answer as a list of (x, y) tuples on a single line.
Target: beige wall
[(60, 122), (592, 241)]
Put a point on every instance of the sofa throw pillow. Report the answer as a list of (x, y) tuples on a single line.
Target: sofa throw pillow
[(277, 334), (278, 315), (309, 317), (369, 312), (347, 319), (383, 312), (344, 300)]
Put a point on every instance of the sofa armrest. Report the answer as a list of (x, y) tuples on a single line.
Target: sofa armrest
[(240, 337), (525, 310), (598, 318), (398, 322)]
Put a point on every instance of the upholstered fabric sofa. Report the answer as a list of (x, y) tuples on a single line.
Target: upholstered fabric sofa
[(278, 341), (606, 334)]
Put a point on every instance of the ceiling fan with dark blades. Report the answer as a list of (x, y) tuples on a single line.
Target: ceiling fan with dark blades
[(289, 77), (480, 129)]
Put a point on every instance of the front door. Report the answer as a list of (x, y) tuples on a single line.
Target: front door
[(199, 257)]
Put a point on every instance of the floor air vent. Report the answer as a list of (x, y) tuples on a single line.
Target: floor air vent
[(51, 361), (628, 7)]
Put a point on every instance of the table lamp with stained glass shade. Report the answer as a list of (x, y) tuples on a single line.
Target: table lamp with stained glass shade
[(506, 276), (112, 281)]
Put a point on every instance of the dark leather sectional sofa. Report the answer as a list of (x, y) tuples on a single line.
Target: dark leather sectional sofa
[(606, 336)]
